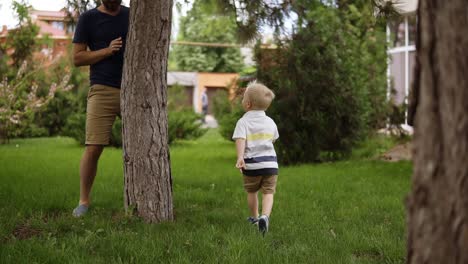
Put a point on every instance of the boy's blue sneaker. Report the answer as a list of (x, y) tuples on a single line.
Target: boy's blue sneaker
[(80, 210), (252, 220), (263, 223)]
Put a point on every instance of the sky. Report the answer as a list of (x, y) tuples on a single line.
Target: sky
[(6, 12)]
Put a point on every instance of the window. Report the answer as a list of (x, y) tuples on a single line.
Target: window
[(57, 25), (401, 37)]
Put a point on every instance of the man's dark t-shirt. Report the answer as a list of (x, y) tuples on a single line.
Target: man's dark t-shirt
[(97, 30)]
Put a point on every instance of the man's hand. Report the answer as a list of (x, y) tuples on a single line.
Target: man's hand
[(82, 56), (115, 46), (240, 164)]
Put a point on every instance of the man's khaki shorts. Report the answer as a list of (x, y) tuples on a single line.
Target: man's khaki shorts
[(254, 183), (101, 111)]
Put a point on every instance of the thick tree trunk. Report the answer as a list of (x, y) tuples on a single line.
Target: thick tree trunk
[(438, 203), (148, 184)]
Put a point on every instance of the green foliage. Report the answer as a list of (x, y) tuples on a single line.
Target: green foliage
[(23, 39), (221, 106), (329, 85), (177, 98), (183, 122), (116, 136), (227, 113), (204, 24), (23, 96), (55, 114), (4, 69), (184, 125), (75, 127)]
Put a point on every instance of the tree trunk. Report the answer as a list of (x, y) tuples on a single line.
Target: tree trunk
[(438, 202), (148, 183)]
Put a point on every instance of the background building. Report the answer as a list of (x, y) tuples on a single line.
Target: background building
[(401, 37)]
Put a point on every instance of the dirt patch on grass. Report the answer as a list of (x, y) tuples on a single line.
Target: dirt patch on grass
[(25, 231), (397, 153)]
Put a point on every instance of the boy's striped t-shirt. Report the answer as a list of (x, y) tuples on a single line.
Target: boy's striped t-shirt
[(260, 132)]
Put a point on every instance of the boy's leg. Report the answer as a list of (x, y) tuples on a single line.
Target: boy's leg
[(251, 186), (268, 190), (252, 201), (267, 204), (88, 168)]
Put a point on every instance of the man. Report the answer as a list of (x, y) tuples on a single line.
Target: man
[(204, 100), (99, 41)]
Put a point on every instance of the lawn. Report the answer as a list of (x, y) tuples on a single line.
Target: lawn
[(343, 212)]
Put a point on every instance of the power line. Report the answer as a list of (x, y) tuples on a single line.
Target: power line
[(219, 45), (206, 44)]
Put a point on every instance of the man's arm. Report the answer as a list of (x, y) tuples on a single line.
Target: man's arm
[(82, 56)]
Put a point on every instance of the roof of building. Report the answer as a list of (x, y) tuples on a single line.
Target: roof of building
[(182, 78), (50, 15)]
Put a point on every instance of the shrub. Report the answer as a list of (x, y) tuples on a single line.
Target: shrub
[(116, 136), (55, 114), (325, 102), (184, 125), (228, 119), (75, 127)]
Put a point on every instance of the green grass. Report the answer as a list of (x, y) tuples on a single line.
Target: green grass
[(344, 212)]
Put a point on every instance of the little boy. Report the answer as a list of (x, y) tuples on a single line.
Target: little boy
[(256, 157)]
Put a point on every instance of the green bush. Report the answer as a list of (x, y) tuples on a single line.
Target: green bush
[(183, 122), (184, 125), (116, 136), (327, 85), (56, 113), (228, 118), (221, 106), (75, 127)]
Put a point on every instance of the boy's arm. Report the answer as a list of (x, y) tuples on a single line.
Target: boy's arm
[(240, 147), (275, 134)]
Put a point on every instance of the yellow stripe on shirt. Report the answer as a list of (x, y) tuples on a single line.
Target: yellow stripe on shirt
[(260, 136)]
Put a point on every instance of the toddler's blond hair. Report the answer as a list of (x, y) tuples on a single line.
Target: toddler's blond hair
[(259, 96)]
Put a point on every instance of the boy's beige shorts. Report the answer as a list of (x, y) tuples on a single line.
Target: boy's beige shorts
[(102, 109), (254, 183)]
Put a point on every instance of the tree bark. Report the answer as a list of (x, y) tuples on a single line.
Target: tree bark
[(438, 203), (148, 183)]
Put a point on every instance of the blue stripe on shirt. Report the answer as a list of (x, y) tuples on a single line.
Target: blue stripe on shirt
[(261, 172), (260, 159)]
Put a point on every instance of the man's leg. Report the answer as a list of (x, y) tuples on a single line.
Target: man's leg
[(102, 108), (88, 168)]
